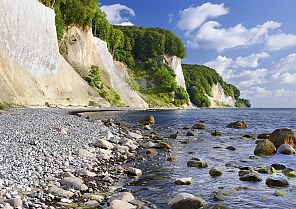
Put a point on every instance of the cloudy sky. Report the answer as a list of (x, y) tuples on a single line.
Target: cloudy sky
[(252, 43)]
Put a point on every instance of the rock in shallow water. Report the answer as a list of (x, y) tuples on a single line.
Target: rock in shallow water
[(186, 201), (265, 147), (120, 204), (147, 120), (215, 171), (183, 181), (197, 163), (276, 182), (286, 149), (217, 196), (283, 136), (214, 206), (238, 125), (253, 177), (133, 171), (124, 196), (199, 126)]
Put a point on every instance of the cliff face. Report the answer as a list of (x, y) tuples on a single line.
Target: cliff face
[(176, 64), (82, 50), (219, 99), (32, 71)]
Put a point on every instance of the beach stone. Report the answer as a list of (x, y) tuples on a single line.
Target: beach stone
[(108, 134), (198, 126), (7, 206), (133, 171), (90, 196), (265, 147), (120, 204), (283, 136), (172, 159), (133, 135), (124, 196), (238, 125), (183, 181), (286, 149), (278, 166), (214, 206), (216, 133), (103, 144), (266, 170), (290, 173), (163, 145), (279, 193), (248, 136), (148, 145), (232, 148), (73, 183), (263, 136), (174, 136), (217, 196), (197, 163), (253, 177), (83, 172), (186, 201), (189, 133), (244, 172), (15, 202), (83, 153), (60, 192), (91, 204), (215, 171), (276, 182), (151, 152), (147, 120)]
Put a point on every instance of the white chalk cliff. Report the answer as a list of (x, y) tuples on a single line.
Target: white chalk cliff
[(82, 50), (219, 99), (32, 71), (176, 64)]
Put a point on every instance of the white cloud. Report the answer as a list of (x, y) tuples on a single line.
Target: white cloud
[(118, 14), (249, 78), (193, 17), (284, 78), (280, 41), (287, 63), (212, 36), (251, 60)]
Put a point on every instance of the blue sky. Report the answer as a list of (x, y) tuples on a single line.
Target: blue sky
[(252, 43)]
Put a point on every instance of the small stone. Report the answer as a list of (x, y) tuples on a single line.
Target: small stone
[(214, 206), (103, 144), (189, 133), (133, 135), (163, 145), (151, 152), (231, 148), (83, 153), (244, 172), (82, 172), (286, 149), (93, 197), (74, 183), (215, 171), (148, 145), (172, 159), (279, 193), (217, 196), (289, 173), (60, 192), (66, 200), (183, 181), (278, 166), (124, 196), (238, 125), (197, 163), (15, 202), (253, 177), (147, 120), (133, 171), (266, 170), (186, 201), (248, 136), (174, 136), (263, 136), (276, 182), (216, 133), (119, 204), (199, 126), (265, 147)]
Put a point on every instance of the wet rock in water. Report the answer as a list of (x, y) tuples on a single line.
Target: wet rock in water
[(217, 196), (214, 206), (133, 171), (172, 159), (248, 136), (290, 173), (265, 147), (174, 136), (194, 162), (266, 169), (278, 166), (215, 171), (83, 153), (263, 136), (103, 144), (120, 204), (232, 148), (163, 145), (276, 182), (151, 152), (124, 196), (73, 183), (286, 149), (244, 172), (60, 192), (15, 202), (283, 136), (199, 126), (183, 181), (279, 193), (216, 133), (253, 177), (189, 133), (186, 201), (147, 120), (238, 125)]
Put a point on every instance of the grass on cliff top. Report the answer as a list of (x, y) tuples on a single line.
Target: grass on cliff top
[(5, 106)]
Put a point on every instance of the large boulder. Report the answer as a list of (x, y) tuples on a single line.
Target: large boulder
[(265, 147), (276, 182), (199, 126), (147, 120), (283, 136), (186, 201), (238, 125), (286, 149), (263, 136)]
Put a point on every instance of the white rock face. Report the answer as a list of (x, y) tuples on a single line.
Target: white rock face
[(83, 50), (176, 64), (32, 71), (219, 99)]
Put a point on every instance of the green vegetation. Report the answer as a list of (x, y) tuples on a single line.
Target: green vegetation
[(160, 88), (199, 81), (95, 81), (5, 106)]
